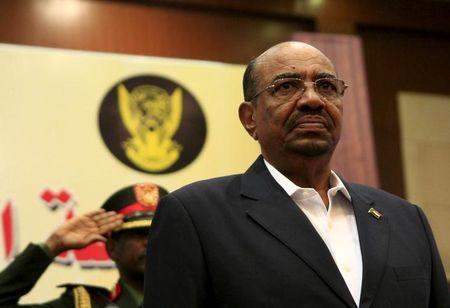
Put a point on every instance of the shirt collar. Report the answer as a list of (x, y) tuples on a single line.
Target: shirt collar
[(336, 183)]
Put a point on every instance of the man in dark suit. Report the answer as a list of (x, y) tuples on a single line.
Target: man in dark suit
[(289, 232)]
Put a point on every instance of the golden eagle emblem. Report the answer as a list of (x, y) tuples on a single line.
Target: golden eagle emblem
[(151, 117)]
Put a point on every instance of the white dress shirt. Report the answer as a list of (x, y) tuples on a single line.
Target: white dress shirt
[(335, 225)]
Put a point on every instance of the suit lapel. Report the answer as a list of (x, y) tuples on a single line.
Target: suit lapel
[(374, 241), (275, 211)]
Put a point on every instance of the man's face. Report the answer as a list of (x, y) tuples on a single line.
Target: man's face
[(128, 249), (309, 125)]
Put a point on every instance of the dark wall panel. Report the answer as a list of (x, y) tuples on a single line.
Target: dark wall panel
[(400, 61)]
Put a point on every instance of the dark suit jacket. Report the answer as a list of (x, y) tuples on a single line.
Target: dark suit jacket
[(240, 241)]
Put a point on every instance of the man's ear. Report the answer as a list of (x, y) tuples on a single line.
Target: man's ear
[(247, 113)]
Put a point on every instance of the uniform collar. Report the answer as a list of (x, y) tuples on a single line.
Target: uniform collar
[(137, 297)]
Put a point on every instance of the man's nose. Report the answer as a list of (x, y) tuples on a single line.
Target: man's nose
[(310, 99)]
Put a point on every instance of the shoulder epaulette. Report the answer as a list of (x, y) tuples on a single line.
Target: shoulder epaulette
[(81, 297)]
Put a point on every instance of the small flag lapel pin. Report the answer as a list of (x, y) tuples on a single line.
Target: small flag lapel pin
[(375, 213)]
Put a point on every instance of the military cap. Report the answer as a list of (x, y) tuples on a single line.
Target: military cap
[(137, 203)]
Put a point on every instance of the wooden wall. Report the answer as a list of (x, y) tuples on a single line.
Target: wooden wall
[(133, 28), (406, 43)]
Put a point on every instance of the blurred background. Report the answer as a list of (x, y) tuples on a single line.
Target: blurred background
[(405, 68)]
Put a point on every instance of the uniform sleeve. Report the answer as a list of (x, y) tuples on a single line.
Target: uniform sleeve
[(175, 269), (20, 276), (438, 290)]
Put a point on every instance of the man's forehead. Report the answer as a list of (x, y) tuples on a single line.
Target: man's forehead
[(294, 50), (293, 57), (295, 65)]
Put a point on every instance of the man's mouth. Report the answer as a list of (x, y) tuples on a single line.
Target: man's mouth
[(307, 122)]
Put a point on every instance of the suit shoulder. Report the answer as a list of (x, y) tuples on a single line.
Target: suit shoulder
[(205, 195), (209, 185), (374, 192), (382, 197)]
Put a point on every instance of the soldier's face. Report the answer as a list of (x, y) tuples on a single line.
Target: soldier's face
[(128, 250)]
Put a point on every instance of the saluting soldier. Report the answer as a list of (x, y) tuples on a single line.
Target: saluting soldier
[(123, 223)]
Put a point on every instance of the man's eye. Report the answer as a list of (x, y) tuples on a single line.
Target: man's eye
[(286, 87), (326, 86)]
